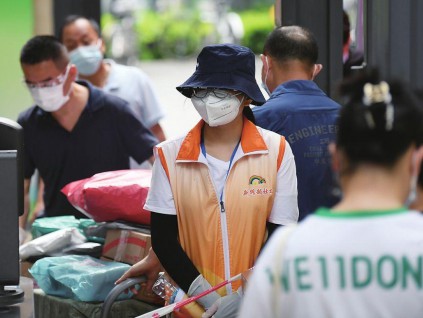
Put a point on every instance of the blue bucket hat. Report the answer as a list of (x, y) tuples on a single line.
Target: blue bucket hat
[(226, 66)]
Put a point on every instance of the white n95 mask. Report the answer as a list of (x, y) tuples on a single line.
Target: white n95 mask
[(49, 99), (217, 111), (263, 82)]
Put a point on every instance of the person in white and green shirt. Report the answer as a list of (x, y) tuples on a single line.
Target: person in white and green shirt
[(364, 257)]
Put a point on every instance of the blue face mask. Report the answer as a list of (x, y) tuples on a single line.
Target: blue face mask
[(87, 59)]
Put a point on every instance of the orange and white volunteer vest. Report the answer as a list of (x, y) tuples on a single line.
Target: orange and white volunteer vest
[(222, 245)]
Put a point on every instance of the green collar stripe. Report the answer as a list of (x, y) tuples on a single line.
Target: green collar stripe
[(325, 212)]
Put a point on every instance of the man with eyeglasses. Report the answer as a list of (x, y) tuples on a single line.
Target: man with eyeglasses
[(74, 130)]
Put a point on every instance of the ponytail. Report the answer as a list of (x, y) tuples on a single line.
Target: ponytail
[(379, 120)]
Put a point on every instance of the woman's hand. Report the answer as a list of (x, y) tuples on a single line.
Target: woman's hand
[(225, 307), (149, 266)]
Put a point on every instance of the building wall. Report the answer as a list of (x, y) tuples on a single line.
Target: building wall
[(16, 27)]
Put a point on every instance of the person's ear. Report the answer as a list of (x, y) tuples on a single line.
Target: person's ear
[(267, 61), (73, 73), (102, 46), (263, 59), (416, 161), (316, 70), (247, 101)]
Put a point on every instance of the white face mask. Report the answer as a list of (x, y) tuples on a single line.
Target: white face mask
[(50, 98), (217, 111), (263, 83)]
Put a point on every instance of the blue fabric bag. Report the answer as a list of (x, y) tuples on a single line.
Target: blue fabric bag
[(77, 277)]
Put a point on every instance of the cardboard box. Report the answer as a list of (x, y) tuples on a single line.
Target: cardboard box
[(126, 246)]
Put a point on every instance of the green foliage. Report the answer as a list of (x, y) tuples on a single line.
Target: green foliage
[(184, 33), (16, 27), (258, 24), (171, 35), (149, 29), (106, 21)]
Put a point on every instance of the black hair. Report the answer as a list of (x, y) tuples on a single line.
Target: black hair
[(377, 131), (72, 18), (347, 28), (292, 43), (419, 94), (42, 48), (248, 113)]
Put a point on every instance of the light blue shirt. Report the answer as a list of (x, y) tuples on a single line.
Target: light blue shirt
[(133, 85)]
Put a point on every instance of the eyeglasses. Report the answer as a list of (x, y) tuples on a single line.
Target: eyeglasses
[(219, 93), (48, 83)]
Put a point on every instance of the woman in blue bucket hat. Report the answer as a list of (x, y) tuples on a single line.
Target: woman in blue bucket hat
[(218, 192)]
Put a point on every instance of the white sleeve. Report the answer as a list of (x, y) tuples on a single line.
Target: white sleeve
[(152, 109), (285, 206), (160, 197), (258, 300)]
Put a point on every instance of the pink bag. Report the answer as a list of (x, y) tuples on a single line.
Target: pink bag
[(112, 195)]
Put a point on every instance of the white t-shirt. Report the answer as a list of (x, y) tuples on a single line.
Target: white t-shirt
[(285, 207), (218, 169), (363, 264)]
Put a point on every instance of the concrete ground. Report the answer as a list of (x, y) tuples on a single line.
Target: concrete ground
[(166, 75)]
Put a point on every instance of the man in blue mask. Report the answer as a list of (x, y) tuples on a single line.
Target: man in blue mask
[(86, 48), (74, 130), (299, 110)]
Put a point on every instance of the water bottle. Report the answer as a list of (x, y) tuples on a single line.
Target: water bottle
[(164, 288)]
